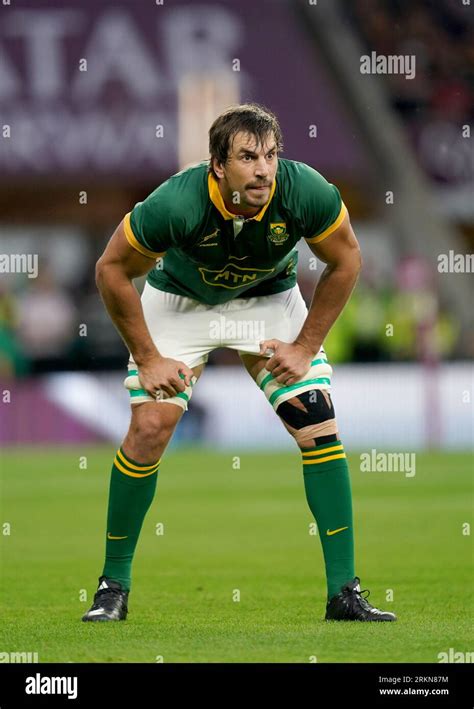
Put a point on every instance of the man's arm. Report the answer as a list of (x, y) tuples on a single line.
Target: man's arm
[(115, 270), (341, 252)]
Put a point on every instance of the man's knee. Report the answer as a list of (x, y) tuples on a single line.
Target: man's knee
[(310, 418), (152, 425)]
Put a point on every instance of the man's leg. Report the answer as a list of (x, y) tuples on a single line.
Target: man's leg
[(310, 419), (133, 482), (308, 414), (132, 488)]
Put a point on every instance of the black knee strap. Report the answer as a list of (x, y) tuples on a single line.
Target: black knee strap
[(317, 411)]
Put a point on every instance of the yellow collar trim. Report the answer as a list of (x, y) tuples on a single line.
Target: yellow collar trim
[(218, 202)]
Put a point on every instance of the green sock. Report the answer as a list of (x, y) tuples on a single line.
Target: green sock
[(132, 488), (328, 491)]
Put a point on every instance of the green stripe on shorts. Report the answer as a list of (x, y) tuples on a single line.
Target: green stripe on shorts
[(142, 392), (138, 392), (284, 390), (270, 376)]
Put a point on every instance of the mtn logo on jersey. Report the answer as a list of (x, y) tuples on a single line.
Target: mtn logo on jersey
[(233, 276), (278, 234)]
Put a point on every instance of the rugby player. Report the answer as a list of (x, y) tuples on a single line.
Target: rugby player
[(219, 240)]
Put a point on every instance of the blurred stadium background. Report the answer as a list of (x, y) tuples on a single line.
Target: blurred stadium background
[(106, 99)]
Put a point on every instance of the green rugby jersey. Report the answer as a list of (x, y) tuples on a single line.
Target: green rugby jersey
[(212, 255)]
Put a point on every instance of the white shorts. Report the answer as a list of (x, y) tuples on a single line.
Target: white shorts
[(187, 330)]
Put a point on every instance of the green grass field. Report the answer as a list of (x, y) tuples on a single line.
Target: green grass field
[(227, 529)]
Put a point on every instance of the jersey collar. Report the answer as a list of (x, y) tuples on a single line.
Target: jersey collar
[(218, 202)]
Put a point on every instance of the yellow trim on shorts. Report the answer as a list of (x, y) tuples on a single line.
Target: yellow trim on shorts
[(133, 241), (319, 237)]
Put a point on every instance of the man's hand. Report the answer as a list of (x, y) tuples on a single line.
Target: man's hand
[(290, 362), (164, 373)]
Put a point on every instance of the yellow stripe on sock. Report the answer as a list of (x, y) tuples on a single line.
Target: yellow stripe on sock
[(135, 467), (133, 475), (323, 451), (316, 461)]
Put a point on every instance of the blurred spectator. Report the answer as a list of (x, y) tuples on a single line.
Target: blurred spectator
[(47, 320), (12, 359), (440, 98)]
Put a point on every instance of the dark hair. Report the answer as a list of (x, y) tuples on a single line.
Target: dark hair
[(248, 117)]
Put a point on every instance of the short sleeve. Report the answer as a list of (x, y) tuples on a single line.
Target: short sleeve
[(322, 208), (151, 226)]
